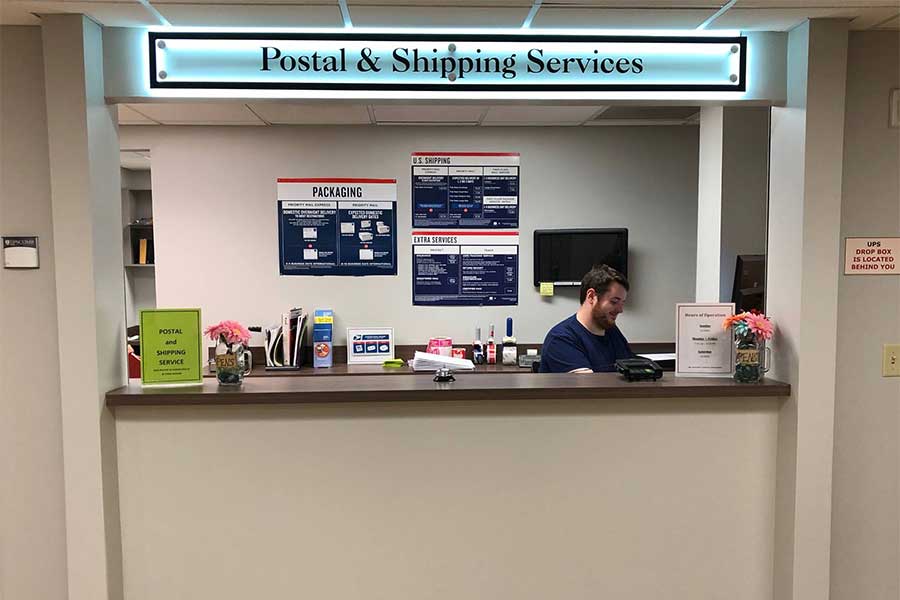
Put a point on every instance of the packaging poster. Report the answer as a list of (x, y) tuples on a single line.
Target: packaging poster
[(171, 346), (337, 226), (702, 347), (465, 190), (465, 268)]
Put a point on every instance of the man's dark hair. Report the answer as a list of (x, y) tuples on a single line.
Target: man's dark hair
[(601, 278)]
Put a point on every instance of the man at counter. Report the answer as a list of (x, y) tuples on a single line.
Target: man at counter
[(589, 341)]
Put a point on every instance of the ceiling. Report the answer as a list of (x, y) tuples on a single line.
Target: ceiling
[(746, 15), (265, 114)]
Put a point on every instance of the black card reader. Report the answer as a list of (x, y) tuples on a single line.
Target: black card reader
[(639, 369)]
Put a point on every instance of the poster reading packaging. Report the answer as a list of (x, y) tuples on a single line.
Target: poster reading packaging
[(171, 346), (472, 268), (337, 226), (871, 256), (702, 347), (466, 190)]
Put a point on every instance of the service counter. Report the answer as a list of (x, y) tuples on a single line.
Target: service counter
[(366, 383), (497, 485)]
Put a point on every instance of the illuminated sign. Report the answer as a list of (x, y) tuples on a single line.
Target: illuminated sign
[(229, 60)]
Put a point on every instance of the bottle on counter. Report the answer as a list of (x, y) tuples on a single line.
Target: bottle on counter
[(510, 350), (491, 348), (477, 348)]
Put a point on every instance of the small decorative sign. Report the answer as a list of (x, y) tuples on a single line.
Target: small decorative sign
[(171, 346), (871, 256), (702, 347), (369, 345), (21, 252)]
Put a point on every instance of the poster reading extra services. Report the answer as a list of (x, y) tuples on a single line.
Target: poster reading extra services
[(465, 190), (337, 226), (465, 268)]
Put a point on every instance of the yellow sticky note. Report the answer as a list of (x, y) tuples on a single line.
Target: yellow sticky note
[(546, 288)]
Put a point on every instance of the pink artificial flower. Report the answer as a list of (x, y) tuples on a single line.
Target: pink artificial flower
[(232, 331), (760, 325)]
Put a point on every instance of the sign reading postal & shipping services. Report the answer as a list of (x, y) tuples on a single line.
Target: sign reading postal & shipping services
[(309, 60)]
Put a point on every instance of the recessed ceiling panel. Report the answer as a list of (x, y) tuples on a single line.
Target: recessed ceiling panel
[(664, 113), (250, 15), (280, 113), (782, 19), (539, 115), (129, 116), (890, 24), (17, 13), (439, 16), (397, 113), (625, 18), (200, 113), (110, 14)]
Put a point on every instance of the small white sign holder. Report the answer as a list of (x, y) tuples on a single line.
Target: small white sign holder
[(369, 345), (702, 347)]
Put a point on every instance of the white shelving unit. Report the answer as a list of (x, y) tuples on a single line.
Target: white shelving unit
[(137, 224)]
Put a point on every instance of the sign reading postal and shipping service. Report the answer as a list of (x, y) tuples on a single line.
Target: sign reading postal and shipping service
[(337, 226), (309, 60)]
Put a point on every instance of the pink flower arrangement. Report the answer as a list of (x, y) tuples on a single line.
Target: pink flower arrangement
[(232, 331), (751, 323)]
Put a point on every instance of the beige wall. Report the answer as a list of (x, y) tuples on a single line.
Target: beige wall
[(637, 499), (32, 518), (866, 519), (216, 232)]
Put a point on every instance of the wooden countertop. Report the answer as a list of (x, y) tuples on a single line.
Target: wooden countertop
[(420, 387)]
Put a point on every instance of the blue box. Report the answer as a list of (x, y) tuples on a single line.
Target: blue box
[(323, 330)]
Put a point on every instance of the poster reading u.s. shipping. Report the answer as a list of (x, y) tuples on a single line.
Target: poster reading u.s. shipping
[(338, 226), (465, 190), (465, 268)]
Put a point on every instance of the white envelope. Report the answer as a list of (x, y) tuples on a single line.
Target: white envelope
[(310, 254), (310, 233), (366, 254), (348, 227)]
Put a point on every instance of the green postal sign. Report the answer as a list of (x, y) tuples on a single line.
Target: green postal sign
[(171, 347)]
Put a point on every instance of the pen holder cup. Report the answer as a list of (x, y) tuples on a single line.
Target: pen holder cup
[(751, 359), (232, 365)]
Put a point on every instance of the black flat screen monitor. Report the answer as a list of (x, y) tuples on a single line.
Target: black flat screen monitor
[(563, 256), (749, 289)]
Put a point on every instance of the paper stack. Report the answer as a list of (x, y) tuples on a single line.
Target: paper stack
[(423, 361)]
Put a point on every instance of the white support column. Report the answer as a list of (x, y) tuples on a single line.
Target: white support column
[(86, 205), (709, 203), (804, 259)]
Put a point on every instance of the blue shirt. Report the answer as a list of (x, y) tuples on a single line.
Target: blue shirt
[(569, 346)]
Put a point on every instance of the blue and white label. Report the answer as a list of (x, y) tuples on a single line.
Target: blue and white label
[(465, 268), (369, 345), (337, 227), (465, 190)]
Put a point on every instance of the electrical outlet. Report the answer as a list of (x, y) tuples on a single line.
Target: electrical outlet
[(890, 361)]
